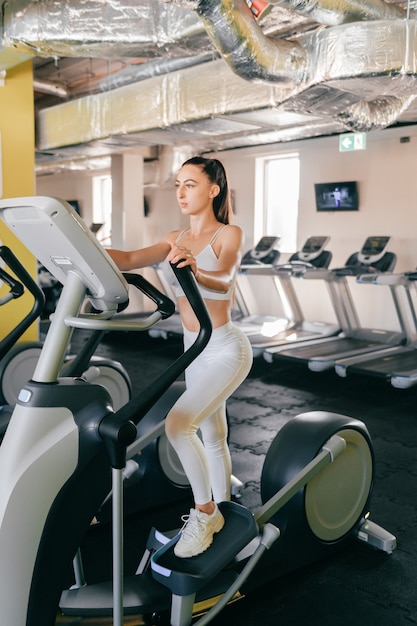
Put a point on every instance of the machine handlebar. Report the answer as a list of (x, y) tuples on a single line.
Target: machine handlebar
[(118, 430), (165, 306), (16, 288), (24, 279)]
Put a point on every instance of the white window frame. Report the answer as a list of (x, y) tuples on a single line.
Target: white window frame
[(102, 206), (282, 215)]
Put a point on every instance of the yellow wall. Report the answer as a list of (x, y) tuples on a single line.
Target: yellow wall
[(17, 136)]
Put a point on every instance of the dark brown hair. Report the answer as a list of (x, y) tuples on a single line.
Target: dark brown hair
[(216, 174)]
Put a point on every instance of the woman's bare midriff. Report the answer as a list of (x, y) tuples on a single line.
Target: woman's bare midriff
[(219, 311)]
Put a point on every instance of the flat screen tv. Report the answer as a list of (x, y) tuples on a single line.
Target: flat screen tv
[(337, 196)]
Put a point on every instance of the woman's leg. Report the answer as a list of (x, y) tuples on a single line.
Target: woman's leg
[(214, 435), (210, 380)]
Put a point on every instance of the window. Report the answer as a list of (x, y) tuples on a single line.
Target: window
[(102, 205), (277, 192)]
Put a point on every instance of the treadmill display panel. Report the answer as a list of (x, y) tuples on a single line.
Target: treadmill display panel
[(314, 244), (374, 246)]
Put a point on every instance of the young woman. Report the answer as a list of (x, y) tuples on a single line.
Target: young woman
[(211, 246)]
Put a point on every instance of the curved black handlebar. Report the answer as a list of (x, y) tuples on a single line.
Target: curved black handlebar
[(165, 306), (39, 299), (16, 288), (118, 430)]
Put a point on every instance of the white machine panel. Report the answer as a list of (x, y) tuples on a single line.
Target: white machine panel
[(59, 239)]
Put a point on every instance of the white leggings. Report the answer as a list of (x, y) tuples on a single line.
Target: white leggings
[(210, 380)]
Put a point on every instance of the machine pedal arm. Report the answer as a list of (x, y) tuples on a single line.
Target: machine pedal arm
[(270, 534)]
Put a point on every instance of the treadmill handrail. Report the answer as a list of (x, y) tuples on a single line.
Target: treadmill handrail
[(320, 274), (257, 268), (391, 280)]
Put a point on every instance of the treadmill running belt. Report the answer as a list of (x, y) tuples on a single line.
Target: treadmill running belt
[(402, 363), (334, 348)]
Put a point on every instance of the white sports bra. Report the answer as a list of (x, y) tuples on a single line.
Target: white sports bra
[(206, 260)]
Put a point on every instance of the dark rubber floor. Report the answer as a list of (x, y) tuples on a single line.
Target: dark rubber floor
[(360, 586)]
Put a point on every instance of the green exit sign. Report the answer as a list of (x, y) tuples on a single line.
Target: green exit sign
[(352, 141)]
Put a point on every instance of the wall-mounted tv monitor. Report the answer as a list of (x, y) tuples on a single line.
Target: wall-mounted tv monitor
[(337, 196)]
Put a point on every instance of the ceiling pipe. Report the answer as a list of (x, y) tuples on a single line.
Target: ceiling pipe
[(256, 57), (235, 33), (378, 113), (357, 73), (155, 67), (49, 87), (97, 29), (333, 13), (253, 55)]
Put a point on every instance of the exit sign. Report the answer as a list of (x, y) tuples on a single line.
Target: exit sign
[(352, 141)]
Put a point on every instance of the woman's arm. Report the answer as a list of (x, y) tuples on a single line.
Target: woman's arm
[(143, 257)]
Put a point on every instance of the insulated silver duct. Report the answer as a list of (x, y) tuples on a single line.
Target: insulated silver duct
[(242, 44), (155, 67), (93, 28), (333, 13), (360, 73), (378, 113), (46, 86), (254, 56), (345, 65)]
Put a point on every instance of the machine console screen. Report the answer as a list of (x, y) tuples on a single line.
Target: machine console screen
[(374, 246), (266, 243), (314, 244)]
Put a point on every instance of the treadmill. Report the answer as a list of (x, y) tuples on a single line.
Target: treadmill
[(259, 261), (395, 364), (322, 354), (266, 330)]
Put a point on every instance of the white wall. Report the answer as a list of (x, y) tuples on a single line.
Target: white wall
[(69, 186), (387, 188), (387, 196), (388, 206)]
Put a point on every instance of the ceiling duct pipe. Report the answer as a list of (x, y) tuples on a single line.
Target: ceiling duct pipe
[(363, 62), (256, 57), (97, 29), (360, 73), (253, 56), (336, 12), (378, 113), (49, 87), (155, 67)]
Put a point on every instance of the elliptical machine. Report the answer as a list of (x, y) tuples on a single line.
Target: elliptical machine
[(64, 437), (18, 360), (17, 283)]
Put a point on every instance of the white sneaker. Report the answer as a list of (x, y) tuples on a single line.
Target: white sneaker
[(197, 532)]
